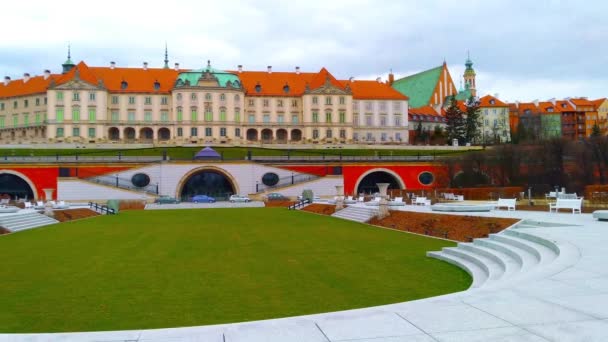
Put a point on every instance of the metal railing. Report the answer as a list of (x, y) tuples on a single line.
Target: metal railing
[(79, 159), (286, 181), (100, 208), (299, 204), (123, 183), (326, 157)]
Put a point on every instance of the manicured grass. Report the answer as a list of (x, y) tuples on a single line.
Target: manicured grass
[(153, 269), (227, 152)]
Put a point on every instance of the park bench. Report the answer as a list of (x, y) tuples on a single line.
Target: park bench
[(422, 201), (508, 203), (567, 203)]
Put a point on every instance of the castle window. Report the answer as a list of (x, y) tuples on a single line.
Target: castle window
[(342, 100), (92, 96), (148, 100), (156, 85), (237, 97), (222, 97), (258, 88), (286, 89), (193, 97), (207, 97), (76, 96), (315, 100), (131, 99), (124, 85)]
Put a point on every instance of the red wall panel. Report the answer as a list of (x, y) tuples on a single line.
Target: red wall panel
[(408, 174)]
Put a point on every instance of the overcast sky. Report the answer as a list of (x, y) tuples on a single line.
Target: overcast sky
[(522, 50)]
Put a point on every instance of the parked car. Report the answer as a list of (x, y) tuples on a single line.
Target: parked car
[(164, 199), (275, 196), (239, 198), (202, 199)]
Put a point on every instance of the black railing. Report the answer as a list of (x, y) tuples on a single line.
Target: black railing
[(100, 208), (286, 181), (299, 204)]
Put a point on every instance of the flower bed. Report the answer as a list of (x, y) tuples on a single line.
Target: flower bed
[(453, 227)]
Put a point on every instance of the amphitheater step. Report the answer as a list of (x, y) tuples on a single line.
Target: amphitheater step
[(509, 265), (489, 265), (478, 274), (356, 214), (19, 222), (524, 258)]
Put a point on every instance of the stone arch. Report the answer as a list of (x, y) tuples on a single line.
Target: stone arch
[(266, 135), (163, 134), (179, 191), (129, 133), (383, 175), (23, 177), (146, 133), (282, 135), (114, 134), (252, 134), (296, 135)]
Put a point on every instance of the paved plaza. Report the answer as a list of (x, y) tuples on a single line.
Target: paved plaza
[(562, 298)]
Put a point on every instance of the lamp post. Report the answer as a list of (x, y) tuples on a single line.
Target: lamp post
[(340, 197)]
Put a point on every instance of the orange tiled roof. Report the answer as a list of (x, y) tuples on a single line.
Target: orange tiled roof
[(565, 106), (523, 106), (485, 102), (581, 102), (35, 85), (273, 84), (373, 90), (598, 102), (548, 107), (425, 110)]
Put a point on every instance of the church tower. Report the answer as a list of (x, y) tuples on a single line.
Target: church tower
[(68, 65), (469, 76)]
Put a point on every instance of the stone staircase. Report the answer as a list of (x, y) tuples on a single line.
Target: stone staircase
[(357, 214), (19, 222), (509, 257)]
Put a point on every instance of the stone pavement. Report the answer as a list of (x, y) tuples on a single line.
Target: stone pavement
[(563, 299)]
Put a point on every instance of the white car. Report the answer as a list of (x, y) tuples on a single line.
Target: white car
[(239, 198)]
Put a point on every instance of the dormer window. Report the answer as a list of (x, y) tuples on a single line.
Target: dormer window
[(492, 102), (124, 85), (563, 105), (286, 89), (258, 88), (156, 85), (550, 109)]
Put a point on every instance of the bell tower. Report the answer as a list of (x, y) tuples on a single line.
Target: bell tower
[(68, 65), (469, 76)]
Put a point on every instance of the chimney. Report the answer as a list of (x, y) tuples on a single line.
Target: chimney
[(7, 80), (176, 66), (379, 79), (112, 65), (351, 79), (270, 69), (145, 65), (240, 68), (535, 103), (47, 74), (26, 77), (552, 100), (297, 70), (391, 78), (517, 104)]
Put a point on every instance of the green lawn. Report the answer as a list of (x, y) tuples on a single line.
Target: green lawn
[(228, 152), (153, 269)]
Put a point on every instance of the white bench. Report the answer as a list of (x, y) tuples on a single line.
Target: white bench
[(422, 201), (566, 203), (508, 203)]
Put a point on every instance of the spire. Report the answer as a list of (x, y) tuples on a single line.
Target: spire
[(166, 57), (68, 65)]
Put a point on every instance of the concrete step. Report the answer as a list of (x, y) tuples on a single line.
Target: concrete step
[(19, 222), (492, 268), (525, 259), (355, 214), (478, 274), (509, 264)]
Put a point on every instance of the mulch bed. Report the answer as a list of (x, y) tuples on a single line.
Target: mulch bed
[(453, 227), (4, 231), (324, 209), (277, 203), (73, 214)]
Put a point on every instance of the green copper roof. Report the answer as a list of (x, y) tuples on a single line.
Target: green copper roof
[(223, 77), (463, 94), (419, 87)]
